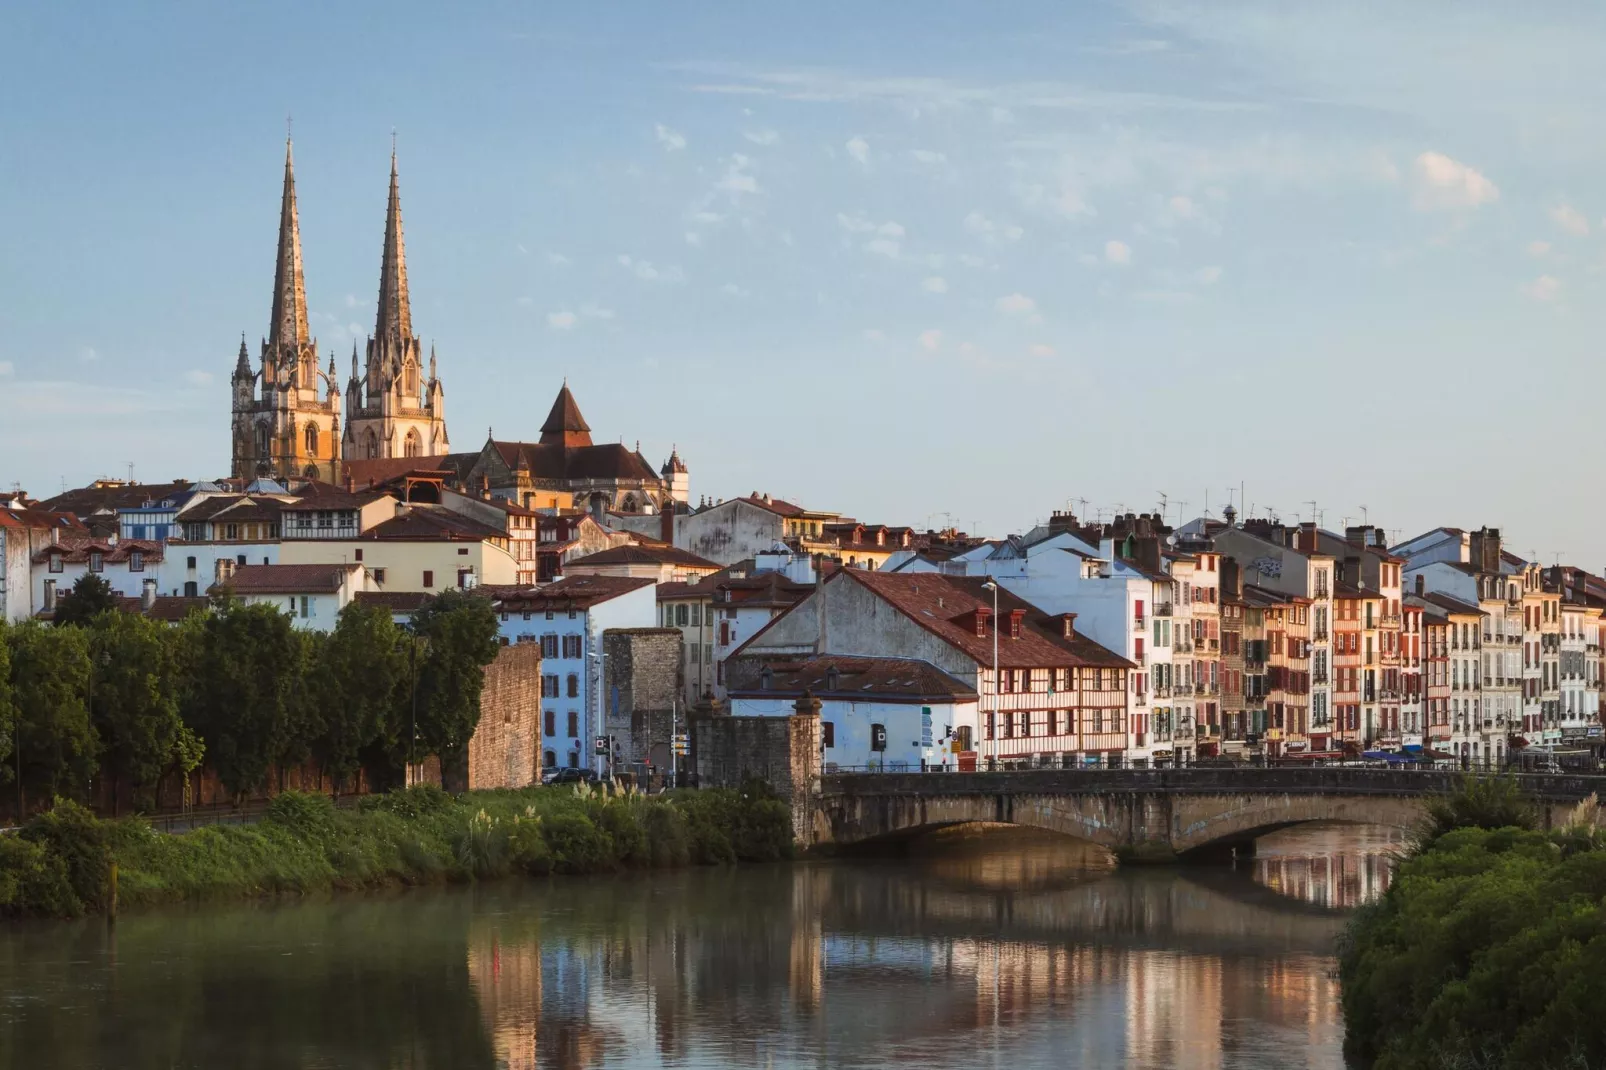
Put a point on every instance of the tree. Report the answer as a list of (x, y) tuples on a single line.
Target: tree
[(360, 668), (135, 701), (8, 710), (50, 683), (247, 670), (91, 596), (458, 633)]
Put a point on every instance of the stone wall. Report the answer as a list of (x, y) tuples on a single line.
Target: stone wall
[(505, 751), (642, 691), (784, 752)]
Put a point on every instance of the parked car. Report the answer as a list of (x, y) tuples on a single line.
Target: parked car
[(569, 775)]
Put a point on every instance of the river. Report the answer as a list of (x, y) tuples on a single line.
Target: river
[(1002, 949)]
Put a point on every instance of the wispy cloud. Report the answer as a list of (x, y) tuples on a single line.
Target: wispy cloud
[(859, 149), (1546, 288), (1015, 304), (884, 239), (990, 231), (197, 377), (561, 321), (7, 369), (1570, 219), (762, 137), (824, 85), (1445, 183), (936, 284), (647, 271), (671, 140), (1209, 276), (1117, 252), (931, 340)]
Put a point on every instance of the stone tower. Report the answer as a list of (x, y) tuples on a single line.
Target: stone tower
[(394, 410), (677, 480), (281, 425)]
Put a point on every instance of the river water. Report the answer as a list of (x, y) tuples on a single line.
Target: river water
[(997, 949)]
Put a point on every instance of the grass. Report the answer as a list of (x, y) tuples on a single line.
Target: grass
[(59, 865)]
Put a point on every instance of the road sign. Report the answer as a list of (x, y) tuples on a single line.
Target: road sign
[(602, 744)]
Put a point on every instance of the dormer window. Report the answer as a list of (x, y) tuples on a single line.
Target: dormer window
[(97, 561), (136, 561)]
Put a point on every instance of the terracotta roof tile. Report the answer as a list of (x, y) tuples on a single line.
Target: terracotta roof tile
[(885, 679), (286, 579), (571, 592)]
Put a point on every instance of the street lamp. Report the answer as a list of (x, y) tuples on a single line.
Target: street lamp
[(990, 585), (601, 727)]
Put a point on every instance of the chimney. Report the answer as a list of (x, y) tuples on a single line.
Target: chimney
[(666, 523), (1067, 624), (50, 596), (1421, 584), (147, 595), (1017, 617), (819, 610)]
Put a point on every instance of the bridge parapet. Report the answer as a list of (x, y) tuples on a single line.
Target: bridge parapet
[(1151, 812)]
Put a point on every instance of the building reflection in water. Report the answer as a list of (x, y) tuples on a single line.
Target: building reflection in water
[(1014, 946), (1338, 866)]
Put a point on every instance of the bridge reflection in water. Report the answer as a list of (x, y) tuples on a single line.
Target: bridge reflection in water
[(1000, 950)]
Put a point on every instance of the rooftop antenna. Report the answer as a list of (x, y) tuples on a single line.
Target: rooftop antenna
[(130, 471), (1082, 502), (1315, 513), (1207, 502), (1230, 492), (1366, 516), (1162, 505), (1394, 536), (1182, 508)]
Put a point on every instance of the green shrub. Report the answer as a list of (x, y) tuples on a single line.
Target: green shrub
[(309, 814), (34, 882), (617, 820), (664, 826), (70, 833), (1485, 802), (527, 846), (577, 845), (422, 800)]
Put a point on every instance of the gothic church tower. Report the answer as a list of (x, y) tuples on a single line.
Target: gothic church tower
[(289, 428), (395, 411)]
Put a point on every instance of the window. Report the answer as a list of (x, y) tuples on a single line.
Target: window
[(429, 578), (305, 611), (697, 615), (96, 561), (358, 553), (549, 645), (312, 440), (574, 685), (239, 559), (549, 759), (379, 575), (462, 551), (549, 685), (571, 646), (190, 563), (574, 723), (827, 734), (55, 562), (136, 561), (551, 728)]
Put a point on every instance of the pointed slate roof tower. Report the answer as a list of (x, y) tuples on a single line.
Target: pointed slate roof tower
[(288, 328), (393, 324), (564, 425)]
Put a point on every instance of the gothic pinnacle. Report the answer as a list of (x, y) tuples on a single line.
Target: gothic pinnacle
[(394, 321), (288, 327)]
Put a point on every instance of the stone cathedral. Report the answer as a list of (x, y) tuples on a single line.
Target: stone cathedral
[(287, 413)]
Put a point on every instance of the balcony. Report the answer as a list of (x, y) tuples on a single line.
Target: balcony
[(1140, 624), (1140, 659), (1319, 636), (1215, 644), (1162, 609), (1318, 678)]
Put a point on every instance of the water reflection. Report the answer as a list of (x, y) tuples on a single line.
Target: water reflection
[(1006, 953), (1330, 865)]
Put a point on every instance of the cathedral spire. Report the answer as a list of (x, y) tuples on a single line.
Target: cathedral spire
[(242, 364), (395, 319), (289, 324)]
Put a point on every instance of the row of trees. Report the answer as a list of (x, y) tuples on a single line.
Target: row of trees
[(110, 693)]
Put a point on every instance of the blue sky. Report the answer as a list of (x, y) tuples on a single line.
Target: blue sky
[(968, 266)]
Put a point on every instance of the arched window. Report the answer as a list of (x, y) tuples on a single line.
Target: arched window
[(630, 503), (371, 444), (410, 383), (264, 438), (311, 471), (414, 445), (312, 440)]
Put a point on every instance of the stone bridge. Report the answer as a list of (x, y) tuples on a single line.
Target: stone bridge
[(1149, 813)]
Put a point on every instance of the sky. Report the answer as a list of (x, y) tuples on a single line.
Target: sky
[(948, 263)]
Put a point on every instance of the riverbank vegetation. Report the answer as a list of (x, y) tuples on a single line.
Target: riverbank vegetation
[(107, 704), (61, 863), (1489, 948)]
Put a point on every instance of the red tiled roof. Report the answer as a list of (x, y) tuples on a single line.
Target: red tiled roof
[(395, 601), (85, 501), (286, 579), (774, 505), (424, 523), (371, 471), (75, 550), (655, 554), (571, 592), (884, 679)]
